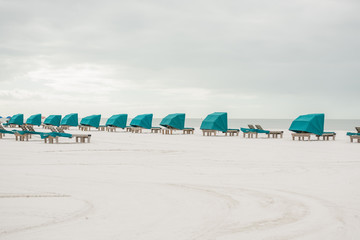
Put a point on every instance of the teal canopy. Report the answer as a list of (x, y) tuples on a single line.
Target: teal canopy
[(53, 120), (17, 119), (71, 119), (118, 120), (310, 123), (55, 134), (175, 120), (352, 134), (92, 121), (34, 120), (215, 121), (143, 120)]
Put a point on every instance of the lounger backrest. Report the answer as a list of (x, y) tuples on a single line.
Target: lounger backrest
[(357, 129), (30, 128), (251, 126), (1, 127), (259, 127), (23, 128), (60, 130), (53, 129)]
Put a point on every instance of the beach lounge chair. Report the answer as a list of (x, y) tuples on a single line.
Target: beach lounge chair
[(59, 132), (311, 124), (140, 122), (90, 121), (3, 131), (70, 120), (354, 136), (217, 122), (174, 122), (34, 120), (16, 120), (274, 134), (52, 120), (116, 121), (252, 132)]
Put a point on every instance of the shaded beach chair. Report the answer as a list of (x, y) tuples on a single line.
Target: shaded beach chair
[(70, 120), (143, 121), (90, 121), (217, 122), (16, 120), (52, 120), (116, 121), (274, 134), (34, 120), (174, 122), (310, 124)]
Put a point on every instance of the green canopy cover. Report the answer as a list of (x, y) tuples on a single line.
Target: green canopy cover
[(17, 119), (71, 119), (34, 120), (175, 120), (92, 121), (215, 121), (310, 123), (118, 120), (143, 120), (53, 120)]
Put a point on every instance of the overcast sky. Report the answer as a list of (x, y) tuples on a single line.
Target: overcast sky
[(251, 58)]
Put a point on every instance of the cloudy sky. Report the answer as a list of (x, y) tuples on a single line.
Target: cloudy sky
[(251, 58)]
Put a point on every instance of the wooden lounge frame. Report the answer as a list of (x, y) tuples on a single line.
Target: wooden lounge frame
[(188, 131), (84, 128), (273, 134), (156, 130), (170, 130), (326, 136), (301, 136), (101, 128), (250, 134), (232, 132), (355, 137), (209, 132)]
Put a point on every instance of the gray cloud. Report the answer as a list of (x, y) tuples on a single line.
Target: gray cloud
[(251, 58)]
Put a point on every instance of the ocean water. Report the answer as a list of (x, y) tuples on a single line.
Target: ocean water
[(330, 124)]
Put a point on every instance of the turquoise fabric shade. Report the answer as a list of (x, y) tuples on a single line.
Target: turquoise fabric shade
[(92, 121), (311, 123), (34, 120), (175, 120), (143, 120), (215, 121), (118, 120), (53, 120), (71, 119), (17, 119)]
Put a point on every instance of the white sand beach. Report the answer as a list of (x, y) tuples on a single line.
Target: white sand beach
[(160, 187)]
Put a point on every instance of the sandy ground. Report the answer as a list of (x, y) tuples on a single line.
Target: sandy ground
[(154, 187)]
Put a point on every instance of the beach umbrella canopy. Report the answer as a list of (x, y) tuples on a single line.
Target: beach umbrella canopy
[(71, 119), (118, 120), (34, 120), (215, 121), (311, 123), (175, 120), (53, 120), (17, 119), (92, 121), (8, 117), (143, 120)]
